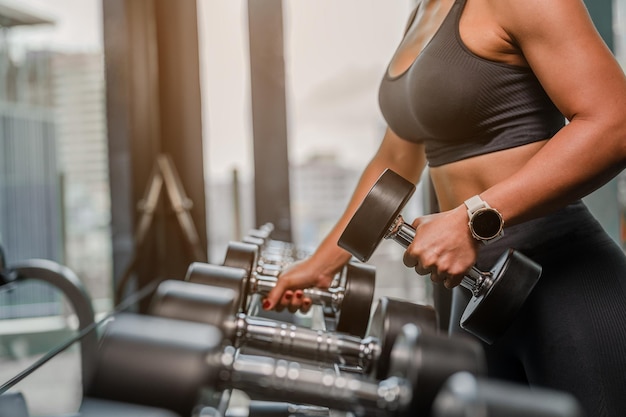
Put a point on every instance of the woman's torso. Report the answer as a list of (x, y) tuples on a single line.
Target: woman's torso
[(482, 44)]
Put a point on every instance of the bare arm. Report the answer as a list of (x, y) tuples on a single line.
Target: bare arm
[(586, 83), (407, 159), (579, 73), (404, 157)]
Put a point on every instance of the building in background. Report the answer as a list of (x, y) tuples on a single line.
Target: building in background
[(80, 125), (30, 206), (54, 194), (321, 188)]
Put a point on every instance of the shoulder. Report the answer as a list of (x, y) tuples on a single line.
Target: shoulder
[(532, 18), (562, 46), (541, 11)]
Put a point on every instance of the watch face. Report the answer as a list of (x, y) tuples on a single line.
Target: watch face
[(486, 223)]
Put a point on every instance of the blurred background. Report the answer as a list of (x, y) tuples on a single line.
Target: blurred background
[(266, 109)]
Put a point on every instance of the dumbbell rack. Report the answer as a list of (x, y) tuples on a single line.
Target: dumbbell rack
[(380, 398), (64, 279), (274, 256)]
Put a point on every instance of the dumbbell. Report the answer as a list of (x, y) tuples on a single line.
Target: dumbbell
[(177, 364), (216, 306), (272, 250), (497, 295), (270, 264), (263, 236), (279, 252), (467, 395), (273, 256), (246, 255), (264, 232), (350, 303), (260, 408)]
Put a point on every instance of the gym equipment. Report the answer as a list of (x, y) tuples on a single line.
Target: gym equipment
[(283, 409), (164, 180), (246, 255), (174, 364), (95, 407), (250, 256), (351, 303), (465, 395), (497, 295), (66, 281), (272, 254), (13, 404), (216, 306), (272, 250), (264, 231)]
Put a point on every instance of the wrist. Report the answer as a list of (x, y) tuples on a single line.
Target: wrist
[(327, 262)]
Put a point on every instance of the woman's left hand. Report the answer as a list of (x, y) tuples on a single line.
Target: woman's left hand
[(443, 247)]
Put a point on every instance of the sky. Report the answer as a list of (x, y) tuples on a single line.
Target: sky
[(335, 54)]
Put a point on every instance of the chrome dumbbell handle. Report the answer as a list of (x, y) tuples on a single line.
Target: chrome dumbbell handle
[(278, 379), (260, 408), (403, 233), (283, 338), (330, 297), (269, 270)]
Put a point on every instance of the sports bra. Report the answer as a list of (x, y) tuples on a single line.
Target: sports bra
[(460, 105)]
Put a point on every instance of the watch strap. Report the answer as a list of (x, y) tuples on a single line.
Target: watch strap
[(475, 203)]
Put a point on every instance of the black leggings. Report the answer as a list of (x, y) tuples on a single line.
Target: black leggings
[(571, 333)]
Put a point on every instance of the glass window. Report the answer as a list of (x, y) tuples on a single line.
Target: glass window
[(54, 194), (335, 55)]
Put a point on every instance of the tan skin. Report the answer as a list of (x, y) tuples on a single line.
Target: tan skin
[(559, 42)]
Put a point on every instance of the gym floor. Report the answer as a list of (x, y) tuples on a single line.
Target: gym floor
[(55, 389)]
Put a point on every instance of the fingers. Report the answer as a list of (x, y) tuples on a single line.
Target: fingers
[(444, 275), (295, 302), (442, 247), (306, 305), (298, 302), (282, 302), (288, 291), (448, 281), (280, 297), (292, 300), (276, 296), (413, 262), (409, 260)]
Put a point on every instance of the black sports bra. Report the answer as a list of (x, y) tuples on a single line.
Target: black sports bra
[(461, 105)]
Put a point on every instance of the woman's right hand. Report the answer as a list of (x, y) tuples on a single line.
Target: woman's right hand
[(407, 159), (288, 292)]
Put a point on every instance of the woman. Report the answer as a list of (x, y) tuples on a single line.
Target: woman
[(479, 90)]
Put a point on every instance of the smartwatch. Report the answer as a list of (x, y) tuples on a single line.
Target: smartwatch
[(485, 222)]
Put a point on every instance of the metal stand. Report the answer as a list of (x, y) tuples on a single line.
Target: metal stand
[(164, 174)]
